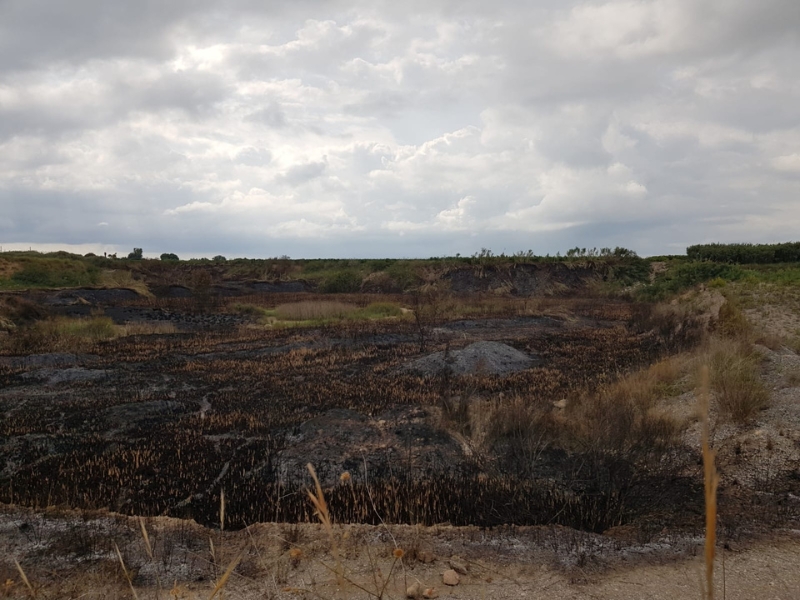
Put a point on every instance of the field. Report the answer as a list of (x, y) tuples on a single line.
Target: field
[(574, 419)]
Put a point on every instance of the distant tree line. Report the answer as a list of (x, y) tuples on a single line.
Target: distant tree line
[(746, 253)]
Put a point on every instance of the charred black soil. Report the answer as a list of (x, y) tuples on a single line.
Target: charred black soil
[(161, 424)]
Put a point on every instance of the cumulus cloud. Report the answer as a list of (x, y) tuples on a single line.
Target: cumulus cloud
[(373, 129)]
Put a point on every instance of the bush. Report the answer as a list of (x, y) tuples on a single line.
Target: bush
[(55, 273), (169, 256), (746, 253), (341, 282), (686, 275), (735, 378), (136, 254), (380, 283), (219, 258)]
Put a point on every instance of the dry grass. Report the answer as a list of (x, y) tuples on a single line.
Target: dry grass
[(624, 416), (9, 268), (147, 328), (124, 279), (731, 321), (735, 378), (67, 331), (314, 310), (65, 334)]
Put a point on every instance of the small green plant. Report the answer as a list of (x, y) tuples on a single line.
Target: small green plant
[(380, 310)]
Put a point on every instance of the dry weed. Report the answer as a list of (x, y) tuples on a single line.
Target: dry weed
[(314, 310), (735, 378), (124, 279)]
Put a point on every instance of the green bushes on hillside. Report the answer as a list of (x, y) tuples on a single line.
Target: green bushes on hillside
[(746, 253), (54, 273), (685, 275)]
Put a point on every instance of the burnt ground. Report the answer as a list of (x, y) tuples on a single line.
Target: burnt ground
[(162, 424)]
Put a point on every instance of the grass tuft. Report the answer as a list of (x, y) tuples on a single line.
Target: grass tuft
[(735, 378)]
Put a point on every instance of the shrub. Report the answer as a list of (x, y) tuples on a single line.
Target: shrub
[(250, 310), (735, 378), (731, 321), (686, 275), (341, 282), (169, 256), (746, 253), (219, 258), (136, 254), (55, 273), (380, 283), (519, 431)]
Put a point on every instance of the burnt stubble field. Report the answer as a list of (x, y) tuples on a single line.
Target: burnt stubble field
[(163, 423)]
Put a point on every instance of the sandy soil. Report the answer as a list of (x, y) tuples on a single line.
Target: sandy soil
[(71, 554)]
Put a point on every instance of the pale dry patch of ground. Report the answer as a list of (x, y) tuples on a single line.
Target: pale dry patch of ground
[(70, 554)]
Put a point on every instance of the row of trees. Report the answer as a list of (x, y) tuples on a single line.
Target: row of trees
[(138, 254), (746, 253)]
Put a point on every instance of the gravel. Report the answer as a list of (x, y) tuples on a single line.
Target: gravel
[(492, 358)]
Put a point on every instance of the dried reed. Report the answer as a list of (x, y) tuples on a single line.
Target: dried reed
[(711, 480), (25, 579)]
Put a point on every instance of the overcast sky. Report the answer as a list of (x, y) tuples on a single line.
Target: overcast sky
[(402, 128)]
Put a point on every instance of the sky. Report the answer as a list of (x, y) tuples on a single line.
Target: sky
[(397, 129)]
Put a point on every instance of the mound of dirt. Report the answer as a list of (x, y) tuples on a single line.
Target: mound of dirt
[(491, 358)]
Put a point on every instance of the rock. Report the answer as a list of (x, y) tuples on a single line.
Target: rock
[(430, 593), (458, 565), (426, 557), (414, 590), (450, 577)]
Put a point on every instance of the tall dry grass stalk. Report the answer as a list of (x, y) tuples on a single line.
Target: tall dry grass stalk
[(149, 549), (318, 501), (125, 571), (226, 575), (711, 481), (25, 579)]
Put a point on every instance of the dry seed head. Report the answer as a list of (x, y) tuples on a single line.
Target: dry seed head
[(344, 477), (398, 553), (295, 553)]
